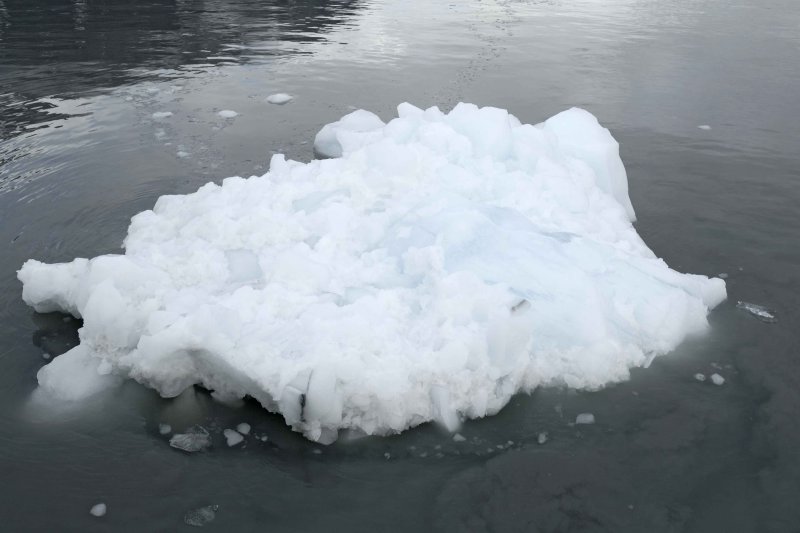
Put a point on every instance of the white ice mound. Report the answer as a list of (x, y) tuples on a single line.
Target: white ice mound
[(443, 263)]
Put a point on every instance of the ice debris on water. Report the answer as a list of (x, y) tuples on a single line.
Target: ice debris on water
[(458, 437), (232, 437), (228, 113), (442, 264), (164, 429), (762, 313), (195, 439), (279, 98), (162, 114), (243, 428), (201, 516), (584, 418), (98, 509), (716, 379), (541, 438), (700, 376), (704, 127)]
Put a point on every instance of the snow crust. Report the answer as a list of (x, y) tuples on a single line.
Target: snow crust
[(438, 265)]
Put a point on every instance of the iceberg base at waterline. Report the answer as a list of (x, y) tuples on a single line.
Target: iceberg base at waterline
[(442, 263)]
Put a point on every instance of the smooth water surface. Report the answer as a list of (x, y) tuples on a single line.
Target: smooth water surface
[(81, 152)]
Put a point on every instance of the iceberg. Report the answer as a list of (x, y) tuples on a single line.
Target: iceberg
[(438, 265)]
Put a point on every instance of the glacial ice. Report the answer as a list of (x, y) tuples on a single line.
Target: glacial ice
[(441, 263), (232, 437), (98, 510), (279, 98), (228, 113), (718, 380), (243, 428), (195, 439), (584, 418), (200, 516), (762, 313)]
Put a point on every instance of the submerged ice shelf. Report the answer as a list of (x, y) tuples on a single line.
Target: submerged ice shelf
[(438, 265)]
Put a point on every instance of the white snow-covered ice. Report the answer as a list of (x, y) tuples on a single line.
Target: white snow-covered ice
[(243, 428), (584, 418), (228, 113), (279, 98), (716, 379), (439, 264)]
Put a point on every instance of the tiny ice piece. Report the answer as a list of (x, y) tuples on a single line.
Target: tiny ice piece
[(762, 313), (228, 113), (243, 428), (584, 418), (700, 377), (201, 516), (458, 437), (542, 437), (195, 439), (232, 437), (716, 379), (98, 509), (704, 127), (164, 429), (162, 114), (279, 98)]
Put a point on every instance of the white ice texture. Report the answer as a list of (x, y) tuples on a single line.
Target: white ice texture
[(439, 265), (279, 98)]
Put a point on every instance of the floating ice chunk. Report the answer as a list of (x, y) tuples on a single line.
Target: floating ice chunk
[(232, 437), (45, 355), (279, 98), (243, 428), (458, 437), (164, 429), (442, 264), (704, 127), (182, 154), (541, 438), (162, 114), (350, 131), (584, 418), (716, 379), (723, 275), (195, 439), (228, 113), (201, 516), (98, 509), (762, 313), (700, 377)]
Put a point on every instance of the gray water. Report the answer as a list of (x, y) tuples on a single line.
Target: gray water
[(80, 154)]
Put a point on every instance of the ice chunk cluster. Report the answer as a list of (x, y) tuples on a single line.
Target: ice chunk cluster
[(440, 264)]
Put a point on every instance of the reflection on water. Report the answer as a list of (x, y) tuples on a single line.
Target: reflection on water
[(85, 143)]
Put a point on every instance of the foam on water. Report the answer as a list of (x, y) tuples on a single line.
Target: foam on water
[(440, 264)]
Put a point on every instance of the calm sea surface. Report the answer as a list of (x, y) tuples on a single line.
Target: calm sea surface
[(80, 153)]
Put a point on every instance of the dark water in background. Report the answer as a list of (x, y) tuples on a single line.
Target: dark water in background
[(80, 154)]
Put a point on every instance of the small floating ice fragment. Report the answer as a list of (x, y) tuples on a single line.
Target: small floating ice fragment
[(541, 438), (232, 437), (716, 379), (704, 127), (723, 275), (201, 516), (164, 429), (45, 355), (195, 439), (228, 113), (458, 437), (182, 154), (243, 428), (162, 114), (98, 510), (584, 418), (279, 98), (762, 313), (700, 377)]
